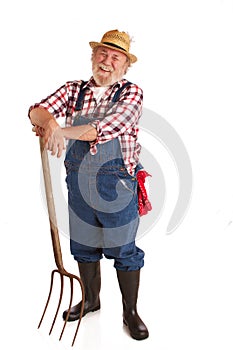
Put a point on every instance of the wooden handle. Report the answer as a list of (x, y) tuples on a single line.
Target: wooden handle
[(51, 208)]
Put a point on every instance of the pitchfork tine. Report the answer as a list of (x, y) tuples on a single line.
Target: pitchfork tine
[(68, 313), (82, 307), (60, 299), (57, 250), (47, 303)]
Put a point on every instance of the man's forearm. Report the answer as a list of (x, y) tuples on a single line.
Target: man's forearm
[(80, 132), (40, 117)]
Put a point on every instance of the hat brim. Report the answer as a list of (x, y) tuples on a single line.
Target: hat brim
[(131, 57)]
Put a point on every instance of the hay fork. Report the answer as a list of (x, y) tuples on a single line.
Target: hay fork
[(57, 250)]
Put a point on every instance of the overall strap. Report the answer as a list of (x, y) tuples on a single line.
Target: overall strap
[(119, 91), (79, 103)]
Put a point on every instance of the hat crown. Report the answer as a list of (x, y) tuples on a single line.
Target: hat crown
[(120, 39)]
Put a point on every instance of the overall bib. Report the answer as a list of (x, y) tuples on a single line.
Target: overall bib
[(103, 206)]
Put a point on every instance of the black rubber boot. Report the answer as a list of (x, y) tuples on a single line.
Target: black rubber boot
[(129, 284), (90, 276)]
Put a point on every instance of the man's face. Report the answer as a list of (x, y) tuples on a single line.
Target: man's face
[(108, 65)]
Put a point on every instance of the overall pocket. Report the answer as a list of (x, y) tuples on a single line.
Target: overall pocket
[(128, 182)]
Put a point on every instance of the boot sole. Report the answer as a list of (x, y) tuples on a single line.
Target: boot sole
[(136, 336), (76, 318)]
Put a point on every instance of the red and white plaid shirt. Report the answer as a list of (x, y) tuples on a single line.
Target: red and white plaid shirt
[(118, 119)]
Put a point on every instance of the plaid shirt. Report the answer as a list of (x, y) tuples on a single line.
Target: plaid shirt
[(111, 120)]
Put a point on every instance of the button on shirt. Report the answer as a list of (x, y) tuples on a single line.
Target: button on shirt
[(111, 120)]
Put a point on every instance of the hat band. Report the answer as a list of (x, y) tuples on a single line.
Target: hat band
[(114, 45)]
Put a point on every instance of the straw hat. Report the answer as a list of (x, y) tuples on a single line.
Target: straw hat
[(116, 40)]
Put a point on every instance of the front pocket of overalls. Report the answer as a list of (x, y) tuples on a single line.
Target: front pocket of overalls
[(128, 183)]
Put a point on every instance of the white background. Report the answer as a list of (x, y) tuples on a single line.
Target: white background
[(185, 69)]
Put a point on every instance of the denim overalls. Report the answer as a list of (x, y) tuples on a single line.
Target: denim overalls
[(103, 208)]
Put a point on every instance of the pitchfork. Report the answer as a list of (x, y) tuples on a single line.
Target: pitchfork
[(57, 250)]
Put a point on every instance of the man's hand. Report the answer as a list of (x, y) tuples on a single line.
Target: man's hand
[(53, 138), (46, 127)]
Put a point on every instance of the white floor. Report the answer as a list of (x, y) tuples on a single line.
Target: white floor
[(185, 68), (185, 293)]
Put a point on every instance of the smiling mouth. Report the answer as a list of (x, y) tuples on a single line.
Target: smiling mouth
[(105, 68)]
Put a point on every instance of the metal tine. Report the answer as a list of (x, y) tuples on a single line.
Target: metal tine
[(72, 277), (68, 313), (57, 251), (48, 299), (82, 308), (60, 299)]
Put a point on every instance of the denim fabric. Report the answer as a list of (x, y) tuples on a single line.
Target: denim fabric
[(103, 208)]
